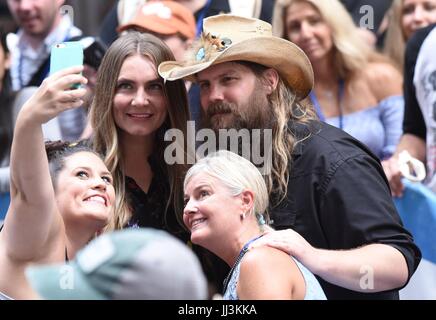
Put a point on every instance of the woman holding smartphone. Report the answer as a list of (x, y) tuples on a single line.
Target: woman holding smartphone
[(60, 197)]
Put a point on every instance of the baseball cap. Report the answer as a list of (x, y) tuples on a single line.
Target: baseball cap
[(136, 264), (164, 17)]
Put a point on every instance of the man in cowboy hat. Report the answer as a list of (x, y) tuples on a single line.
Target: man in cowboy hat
[(326, 186)]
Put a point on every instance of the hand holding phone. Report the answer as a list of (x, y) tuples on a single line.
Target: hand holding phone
[(65, 55)]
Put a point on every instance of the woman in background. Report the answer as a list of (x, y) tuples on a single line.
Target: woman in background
[(405, 17), (355, 89)]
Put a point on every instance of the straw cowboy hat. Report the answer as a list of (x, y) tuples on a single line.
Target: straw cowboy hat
[(232, 38)]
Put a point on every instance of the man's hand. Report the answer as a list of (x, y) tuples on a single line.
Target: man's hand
[(393, 173)]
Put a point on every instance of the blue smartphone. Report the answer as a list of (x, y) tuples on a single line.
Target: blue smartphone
[(65, 55)]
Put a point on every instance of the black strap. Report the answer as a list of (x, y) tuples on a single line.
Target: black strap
[(39, 75), (66, 255)]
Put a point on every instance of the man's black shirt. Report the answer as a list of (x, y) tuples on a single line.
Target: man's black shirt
[(338, 198)]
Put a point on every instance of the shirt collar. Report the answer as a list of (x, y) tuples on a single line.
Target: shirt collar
[(300, 132)]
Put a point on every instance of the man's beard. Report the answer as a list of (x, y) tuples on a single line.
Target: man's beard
[(255, 114)]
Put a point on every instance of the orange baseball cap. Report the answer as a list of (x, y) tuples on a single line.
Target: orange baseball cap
[(164, 17)]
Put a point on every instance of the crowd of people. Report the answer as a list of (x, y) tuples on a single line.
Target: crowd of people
[(86, 174)]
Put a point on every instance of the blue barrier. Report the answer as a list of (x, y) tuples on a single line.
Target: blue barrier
[(4, 204), (417, 209)]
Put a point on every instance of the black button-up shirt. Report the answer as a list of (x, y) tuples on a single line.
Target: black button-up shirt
[(338, 198)]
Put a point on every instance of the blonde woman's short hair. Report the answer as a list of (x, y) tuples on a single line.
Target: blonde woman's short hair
[(236, 174)]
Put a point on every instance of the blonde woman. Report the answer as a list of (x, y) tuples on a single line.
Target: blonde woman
[(130, 114), (355, 88), (225, 203), (405, 17)]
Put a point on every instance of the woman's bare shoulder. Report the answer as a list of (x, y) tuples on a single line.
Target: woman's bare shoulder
[(384, 80), (269, 273), (265, 255)]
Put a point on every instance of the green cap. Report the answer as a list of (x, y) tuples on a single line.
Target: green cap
[(128, 264)]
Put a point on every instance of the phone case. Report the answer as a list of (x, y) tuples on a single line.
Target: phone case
[(65, 55)]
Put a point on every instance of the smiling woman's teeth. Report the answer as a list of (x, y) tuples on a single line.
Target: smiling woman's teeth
[(96, 199), (196, 222), (142, 116)]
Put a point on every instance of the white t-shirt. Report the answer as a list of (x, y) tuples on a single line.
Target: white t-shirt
[(425, 85)]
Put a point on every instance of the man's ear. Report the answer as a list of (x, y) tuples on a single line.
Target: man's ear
[(271, 78)]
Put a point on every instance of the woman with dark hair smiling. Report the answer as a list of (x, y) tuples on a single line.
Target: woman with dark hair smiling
[(60, 197)]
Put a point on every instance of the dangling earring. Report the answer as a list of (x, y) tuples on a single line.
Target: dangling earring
[(242, 215)]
